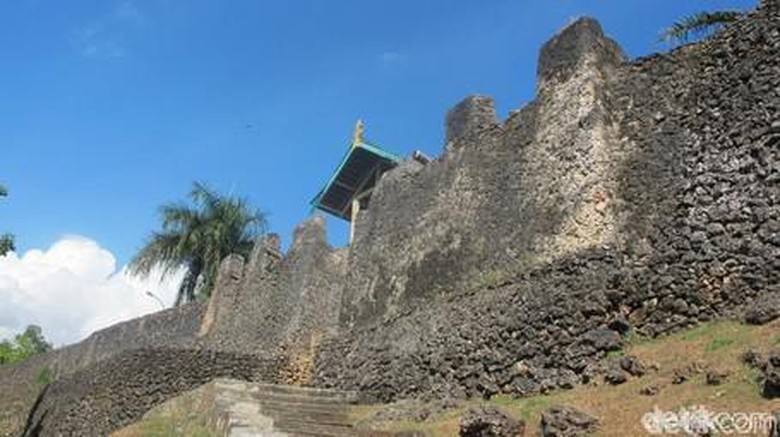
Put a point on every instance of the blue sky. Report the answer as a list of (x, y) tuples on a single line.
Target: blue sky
[(110, 108)]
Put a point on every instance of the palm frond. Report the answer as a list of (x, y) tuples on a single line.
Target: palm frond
[(6, 244), (199, 237), (6, 240), (202, 194), (161, 250), (700, 24), (177, 216)]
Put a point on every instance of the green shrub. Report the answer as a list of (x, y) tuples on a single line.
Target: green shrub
[(44, 377)]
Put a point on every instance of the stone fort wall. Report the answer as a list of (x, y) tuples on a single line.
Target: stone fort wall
[(636, 195), (22, 383), (263, 323), (503, 195), (601, 158), (628, 196), (275, 302)]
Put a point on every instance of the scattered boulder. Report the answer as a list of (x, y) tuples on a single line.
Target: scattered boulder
[(615, 376), (603, 339), (685, 373), (771, 388), (567, 379), (525, 386), (489, 421), (414, 411), (632, 365), (562, 421), (763, 309), (620, 324), (592, 371), (679, 377), (754, 359), (650, 390), (717, 377)]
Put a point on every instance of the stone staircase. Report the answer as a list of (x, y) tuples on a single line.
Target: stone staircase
[(268, 410)]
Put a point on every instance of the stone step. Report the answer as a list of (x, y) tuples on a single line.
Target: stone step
[(314, 429), (310, 392), (278, 410), (338, 419), (291, 416), (301, 398), (284, 405)]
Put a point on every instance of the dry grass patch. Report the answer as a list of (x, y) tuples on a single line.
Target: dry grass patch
[(185, 415), (713, 346)]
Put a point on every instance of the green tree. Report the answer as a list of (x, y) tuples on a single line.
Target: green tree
[(197, 237), (30, 342), (701, 24), (6, 240)]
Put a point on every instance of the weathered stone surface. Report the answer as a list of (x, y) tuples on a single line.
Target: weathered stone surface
[(648, 203), (269, 307), (771, 384), (472, 115), (603, 339), (764, 309), (633, 196), (112, 393), (632, 365), (615, 376), (754, 359), (489, 421), (290, 300), (562, 421), (582, 41), (415, 411), (176, 327)]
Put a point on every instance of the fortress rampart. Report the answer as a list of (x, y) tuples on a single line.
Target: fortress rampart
[(629, 196)]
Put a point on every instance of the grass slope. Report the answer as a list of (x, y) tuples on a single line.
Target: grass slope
[(715, 346)]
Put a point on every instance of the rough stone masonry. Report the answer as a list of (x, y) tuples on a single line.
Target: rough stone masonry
[(629, 195), (636, 195)]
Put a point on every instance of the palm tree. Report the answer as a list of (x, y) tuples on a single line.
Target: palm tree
[(703, 23), (6, 240), (197, 238)]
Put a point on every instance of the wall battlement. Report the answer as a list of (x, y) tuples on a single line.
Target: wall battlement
[(277, 301), (581, 42), (629, 196), (539, 186), (469, 117)]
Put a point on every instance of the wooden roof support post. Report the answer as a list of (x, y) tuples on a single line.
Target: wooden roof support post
[(353, 218)]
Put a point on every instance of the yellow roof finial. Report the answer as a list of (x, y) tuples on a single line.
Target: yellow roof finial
[(358, 137)]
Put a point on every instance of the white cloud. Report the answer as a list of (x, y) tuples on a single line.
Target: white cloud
[(73, 289)]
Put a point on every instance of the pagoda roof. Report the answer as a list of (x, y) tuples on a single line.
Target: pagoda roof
[(357, 173)]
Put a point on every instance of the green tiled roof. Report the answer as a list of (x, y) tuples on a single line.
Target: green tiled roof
[(352, 177)]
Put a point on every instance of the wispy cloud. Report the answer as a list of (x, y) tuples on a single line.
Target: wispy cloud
[(92, 42), (128, 12), (392, 57), (103, 36)]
